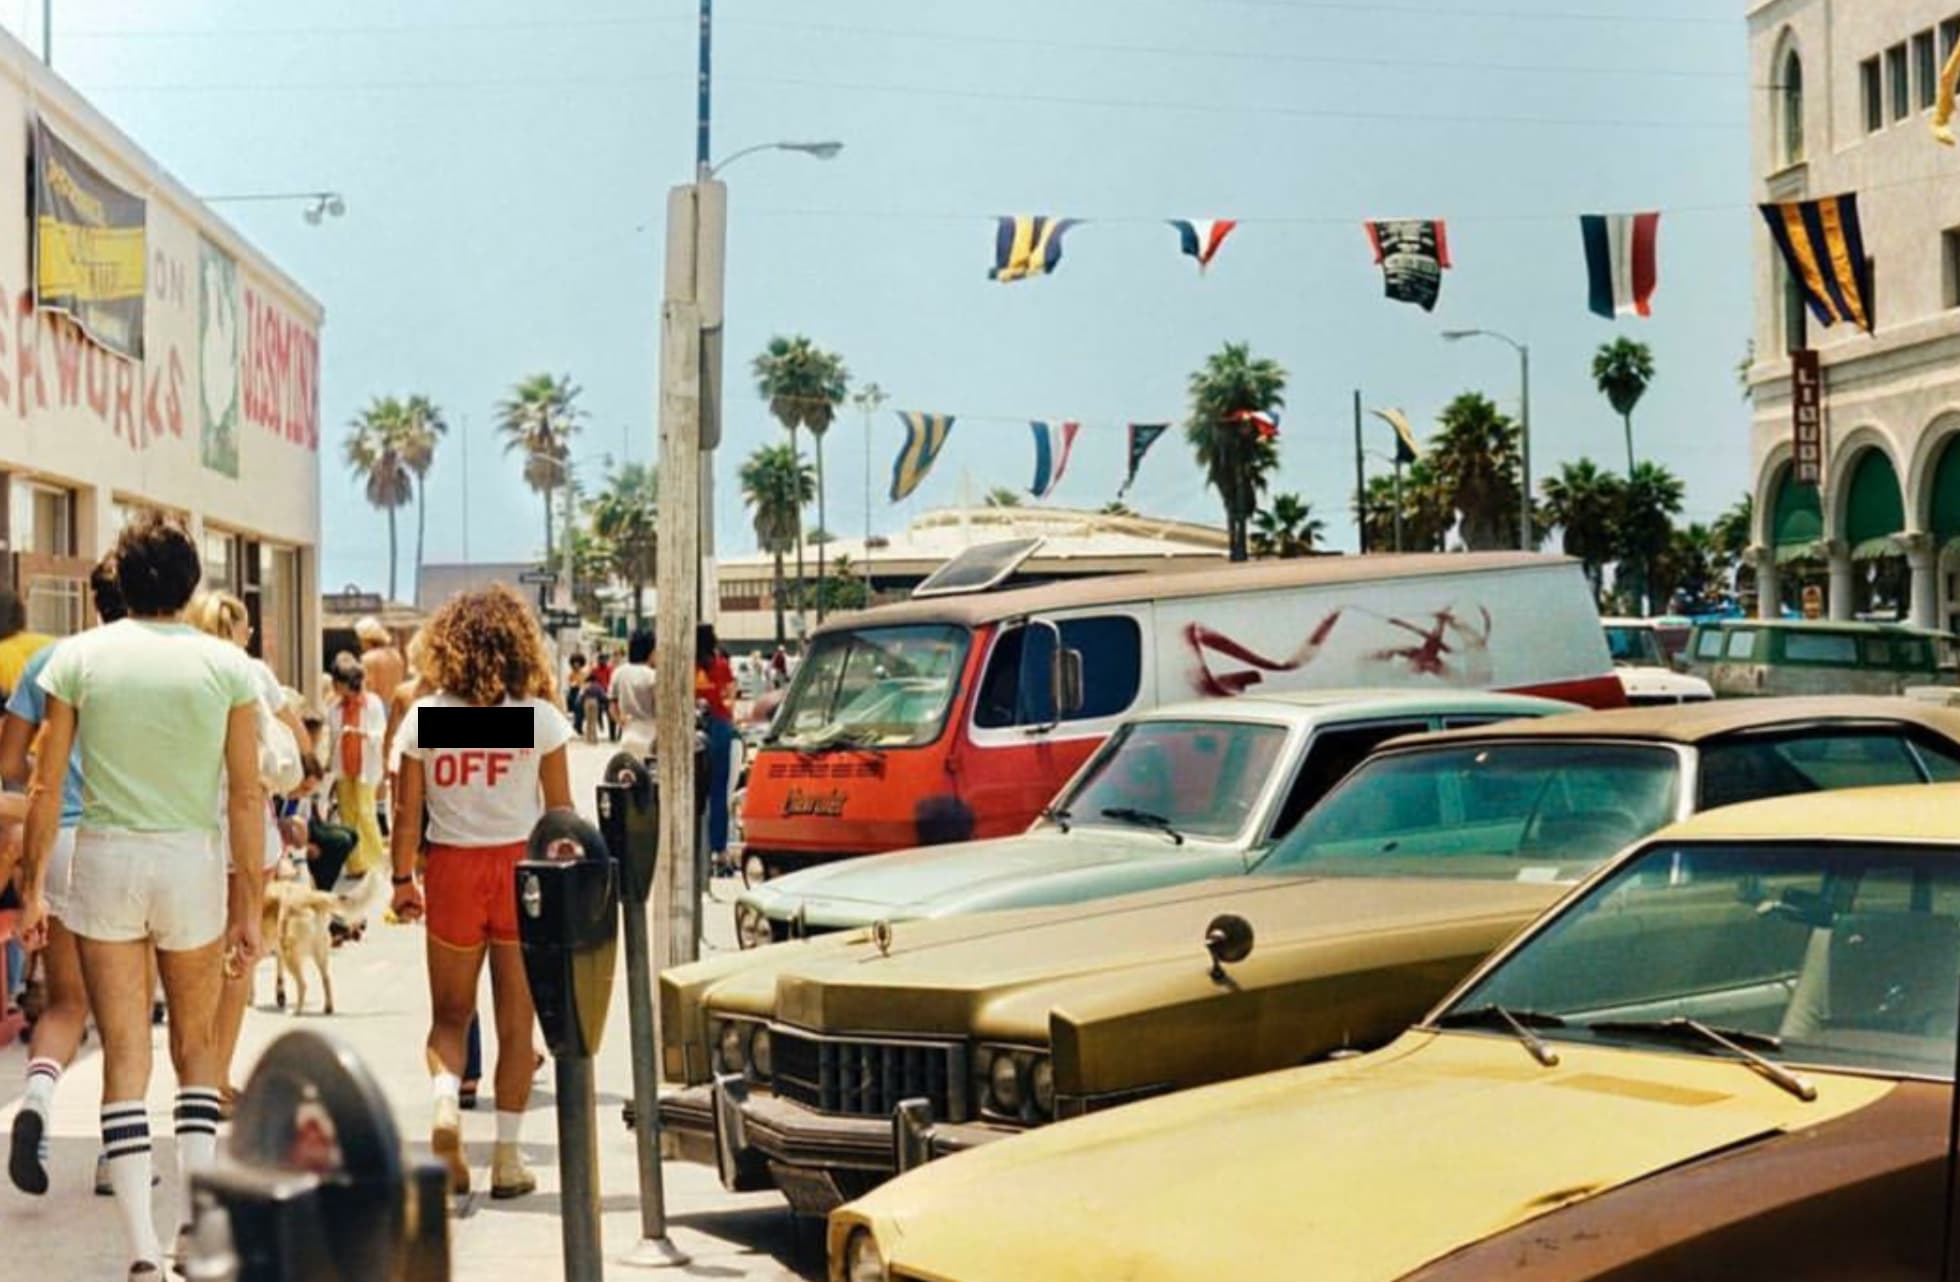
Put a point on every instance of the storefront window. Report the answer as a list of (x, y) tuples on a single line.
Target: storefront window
[(220, 565), (41, 518), (279, 613)]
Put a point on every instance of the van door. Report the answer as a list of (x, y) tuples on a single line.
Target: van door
[(1023, 748)]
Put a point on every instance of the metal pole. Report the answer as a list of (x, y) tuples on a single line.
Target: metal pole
[(47, 32), (578, 1170), (703, 97), (1398, 500), (654, 1249), (1524, 447), (1360, 481)]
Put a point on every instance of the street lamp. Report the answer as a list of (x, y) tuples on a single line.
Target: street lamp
[(826, 150), (1524, 421), (320, 204)]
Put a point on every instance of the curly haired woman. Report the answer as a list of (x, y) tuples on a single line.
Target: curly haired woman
[(485, 780)]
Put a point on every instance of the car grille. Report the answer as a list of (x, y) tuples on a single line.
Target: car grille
[(854, 1078), (784, 928)]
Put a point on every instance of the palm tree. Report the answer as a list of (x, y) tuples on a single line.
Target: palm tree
[(1426, 513), (1734, 532), (1236, 458), (1475, 458), (1287, 529), (625, 515), (1586, 505), (804, 385), (1621, 370), (776, 485), (843, 590), (1001, 496), (376, 450), (1653, 499), (423, 428), (1689, 567), (538, 420)]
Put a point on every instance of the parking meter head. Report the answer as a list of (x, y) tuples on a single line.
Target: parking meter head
[(310, 1186), (629, 816), (567, 892)]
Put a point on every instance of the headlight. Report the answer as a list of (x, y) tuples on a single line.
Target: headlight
[(1004, 1084), (863, 1261), (752, 929), (754, 871), (761, 1062), (1014, 1082), (1041, 1084), (732, 1046)]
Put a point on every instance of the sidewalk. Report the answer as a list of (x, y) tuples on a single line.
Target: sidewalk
[(382, 1005)]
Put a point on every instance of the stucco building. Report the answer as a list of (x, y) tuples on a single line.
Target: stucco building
[(1843, 92), (214, 416)]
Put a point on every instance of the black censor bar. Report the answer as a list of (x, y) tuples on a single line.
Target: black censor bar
[(505, 729)]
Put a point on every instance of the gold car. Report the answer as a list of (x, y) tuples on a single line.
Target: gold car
[(821, 1068), (1729, 1055)]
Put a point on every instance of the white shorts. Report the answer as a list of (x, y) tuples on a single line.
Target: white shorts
[(164, 886), (54, 882)]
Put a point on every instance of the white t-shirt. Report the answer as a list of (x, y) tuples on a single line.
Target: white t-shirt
[(487, 796)]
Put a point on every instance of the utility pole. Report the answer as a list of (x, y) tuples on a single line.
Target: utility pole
[(868, 398), (1360, 481), (47, 33)]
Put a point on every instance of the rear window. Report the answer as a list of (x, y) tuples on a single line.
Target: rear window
[(1758, 767), (1835, 648)]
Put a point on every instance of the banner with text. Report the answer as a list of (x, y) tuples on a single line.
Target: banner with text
[(1807, 410), (89, 248)]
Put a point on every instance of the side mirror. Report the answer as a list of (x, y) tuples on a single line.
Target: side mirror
[(1229, 941), (1068, 681)]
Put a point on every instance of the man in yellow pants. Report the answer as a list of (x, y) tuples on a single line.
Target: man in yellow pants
[(356, 722)]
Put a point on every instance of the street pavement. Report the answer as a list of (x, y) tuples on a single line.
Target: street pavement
[(382, 1013)]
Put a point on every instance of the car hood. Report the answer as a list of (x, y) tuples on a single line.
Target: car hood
[(1003, 973), (913, 883), (1356, 1171)]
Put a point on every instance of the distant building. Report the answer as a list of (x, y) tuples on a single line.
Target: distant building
[(437, 583), (1843, 91)]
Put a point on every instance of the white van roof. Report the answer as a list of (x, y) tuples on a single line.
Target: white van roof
[(1215, 580)]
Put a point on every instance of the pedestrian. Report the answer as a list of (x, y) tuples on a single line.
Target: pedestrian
[(162, 713), (400, 699), (601, 676), (714, 690), (356, 725), (575, 693), (480, 789), (222, 615), (58, 1032), (779, 668), (17, 643), (632, 694), (382, 665)]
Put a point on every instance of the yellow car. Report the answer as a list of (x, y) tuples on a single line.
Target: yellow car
[(1729, 1054)]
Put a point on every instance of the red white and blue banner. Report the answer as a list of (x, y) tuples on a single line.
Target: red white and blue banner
[(1263, 426), (1620, 262), (1200, 238), (1052, 444)]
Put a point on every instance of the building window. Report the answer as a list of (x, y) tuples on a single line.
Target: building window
[(1925, 69), (1949, 37), (279, 613), (41, 518), (220, 565), (1950, 265), (1895, 72), (1796, 322), (1874, 95), (1792, 108)]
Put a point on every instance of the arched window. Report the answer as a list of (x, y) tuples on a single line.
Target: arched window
[(1790, 83)]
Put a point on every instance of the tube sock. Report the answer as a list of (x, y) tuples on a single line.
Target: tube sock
[(42, 1077), (198, 1111), (445, 1086), (510, 1127), (126, 1145)]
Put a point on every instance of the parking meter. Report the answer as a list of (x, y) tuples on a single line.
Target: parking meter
[(312, 1186), (629, 819)]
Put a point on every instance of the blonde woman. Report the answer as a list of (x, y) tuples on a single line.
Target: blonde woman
[(222, 615)]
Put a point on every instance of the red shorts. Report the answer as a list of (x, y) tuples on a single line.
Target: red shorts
[(471, 894)]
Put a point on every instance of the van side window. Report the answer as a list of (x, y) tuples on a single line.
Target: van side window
[(1709, 644), (1834, 648), (1742, 644), (1333, 754), (1112, 672)]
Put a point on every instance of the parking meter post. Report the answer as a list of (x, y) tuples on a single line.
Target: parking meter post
[(578, 1169)]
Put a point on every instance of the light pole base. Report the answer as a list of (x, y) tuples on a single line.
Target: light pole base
[(655, 1253)]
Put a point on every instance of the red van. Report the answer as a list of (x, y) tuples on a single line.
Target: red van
[(959, 714)]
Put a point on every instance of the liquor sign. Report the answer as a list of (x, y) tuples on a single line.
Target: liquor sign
[(1807, 409)]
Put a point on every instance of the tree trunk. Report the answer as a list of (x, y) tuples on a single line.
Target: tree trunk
[(796, 486), (391, 557), (779, 599), (823, 528), (421, 532)]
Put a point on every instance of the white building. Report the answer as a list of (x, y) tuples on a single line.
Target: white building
[(218, 421), (1843, 94)]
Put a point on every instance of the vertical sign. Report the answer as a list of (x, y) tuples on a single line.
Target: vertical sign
[(1807, 407)]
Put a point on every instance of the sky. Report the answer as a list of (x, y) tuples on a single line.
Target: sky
[(505, 168)]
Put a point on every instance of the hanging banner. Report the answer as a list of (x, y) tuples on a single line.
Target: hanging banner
[(1264, 426), (1201, 238), (218, 345), (1412, 253), (1824, 248), (1142, 437), (1620, 262), (1052, 443), (89, 247), (1406, 448), (1028, 245), (1807, 414), (925, 436)]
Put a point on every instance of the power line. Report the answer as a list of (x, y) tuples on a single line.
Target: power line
[(1519, 15)]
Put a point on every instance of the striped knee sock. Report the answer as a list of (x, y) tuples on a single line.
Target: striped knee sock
[(126, 1145), (42, 1077), (198, 1111)]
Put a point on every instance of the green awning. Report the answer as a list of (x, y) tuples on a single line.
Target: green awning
[(1796, 515), (1790, 553), (1874, 549), (1874, 508)]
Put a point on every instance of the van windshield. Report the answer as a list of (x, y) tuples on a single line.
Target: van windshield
[(872, 688)]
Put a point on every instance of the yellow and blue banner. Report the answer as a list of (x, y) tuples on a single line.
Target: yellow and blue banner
[(1028, 245), (1824, 248), (925, 436), (1406, 449), (89, 247)]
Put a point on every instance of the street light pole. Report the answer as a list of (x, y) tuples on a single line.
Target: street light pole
[(1524, 422)]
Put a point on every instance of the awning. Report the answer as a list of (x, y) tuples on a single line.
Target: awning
[(1790, 553), (1873, 549)]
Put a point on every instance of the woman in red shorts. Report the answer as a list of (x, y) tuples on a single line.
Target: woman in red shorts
[(482, 760)]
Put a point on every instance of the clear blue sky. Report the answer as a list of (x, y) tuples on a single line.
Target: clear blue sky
[(505, 166)]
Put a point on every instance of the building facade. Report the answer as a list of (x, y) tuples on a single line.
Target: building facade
[(1843, 93), (215, 418)]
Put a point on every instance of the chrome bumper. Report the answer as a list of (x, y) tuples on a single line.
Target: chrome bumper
[(756, 1140)]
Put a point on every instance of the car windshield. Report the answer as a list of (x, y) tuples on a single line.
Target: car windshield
[(1202, 778), (1830, 955), (1518, 811), (873, 688), (1634, 646)]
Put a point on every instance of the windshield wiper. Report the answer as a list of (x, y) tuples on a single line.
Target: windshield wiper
[(1144, 819), (842, 736), (1734, 1040), (1518, 1023), (1059, 816)]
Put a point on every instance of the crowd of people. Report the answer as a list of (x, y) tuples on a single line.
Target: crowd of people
[(168, 778)]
